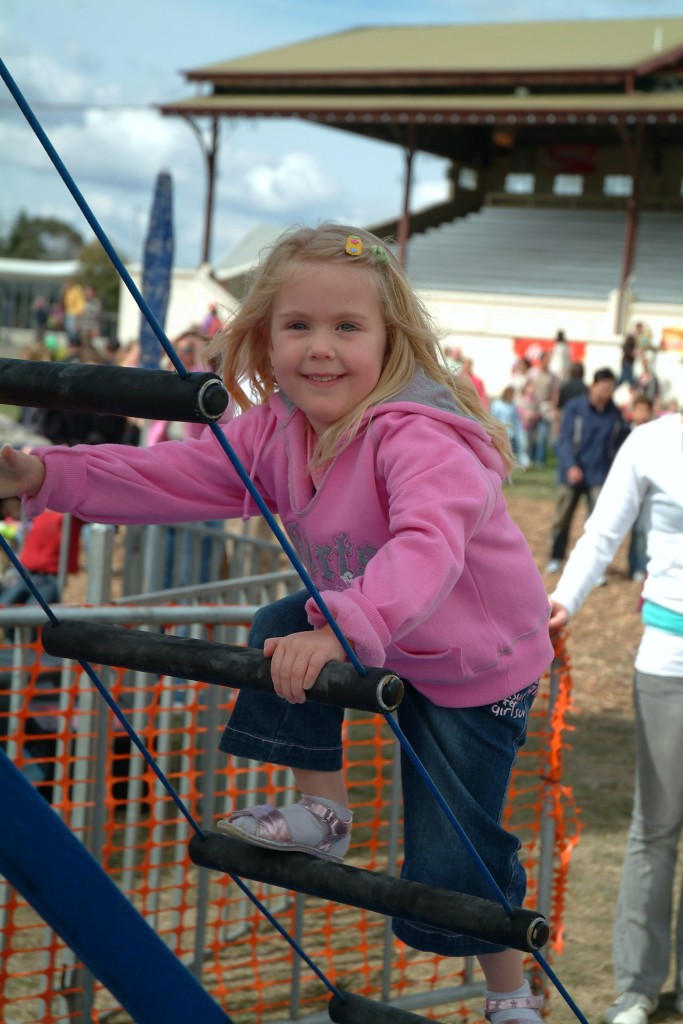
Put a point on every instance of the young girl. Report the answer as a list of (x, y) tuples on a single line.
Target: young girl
[(387, 475)]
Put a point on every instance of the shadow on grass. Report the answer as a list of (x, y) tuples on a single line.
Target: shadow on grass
[(599, 766)]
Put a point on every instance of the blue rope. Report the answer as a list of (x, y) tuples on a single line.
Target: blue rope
[(543, 963), (184, 810), (168, 348), (293, 943), (265, 511), (28, 581), (170, 352), (483, 870), (287, 547), (90, 217)]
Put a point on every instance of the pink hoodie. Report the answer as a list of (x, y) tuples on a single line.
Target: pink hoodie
[(406, 534)]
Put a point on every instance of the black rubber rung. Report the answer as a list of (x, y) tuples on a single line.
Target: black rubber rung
[(338, 684), (118, 390), (384, 894), (355, 1009)]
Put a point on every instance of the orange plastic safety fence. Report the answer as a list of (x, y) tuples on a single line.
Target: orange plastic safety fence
[(59, 733)]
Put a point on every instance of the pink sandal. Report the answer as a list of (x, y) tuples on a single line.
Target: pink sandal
[(514, 1003), (272, 830)]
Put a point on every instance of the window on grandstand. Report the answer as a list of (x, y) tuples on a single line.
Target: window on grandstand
[(520, 184), (617, 185), (568, 185), (467, 179)]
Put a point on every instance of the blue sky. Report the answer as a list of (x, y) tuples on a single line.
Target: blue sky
[(92, 71)]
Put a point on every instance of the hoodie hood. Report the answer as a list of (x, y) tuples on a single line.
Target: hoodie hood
[(425, 396)]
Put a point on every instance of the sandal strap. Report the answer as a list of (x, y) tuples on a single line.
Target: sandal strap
[(270, 823), (512, 1003), (337, 829)]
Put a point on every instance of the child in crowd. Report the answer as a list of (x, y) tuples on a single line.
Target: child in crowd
[(505, 409), (387, 474), (40, 553)]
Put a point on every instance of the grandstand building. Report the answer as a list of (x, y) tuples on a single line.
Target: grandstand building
[(565, 151)]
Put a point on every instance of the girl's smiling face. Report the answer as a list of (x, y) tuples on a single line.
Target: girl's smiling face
[(327, 340)]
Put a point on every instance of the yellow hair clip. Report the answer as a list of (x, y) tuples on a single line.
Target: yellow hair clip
[(354, 246)]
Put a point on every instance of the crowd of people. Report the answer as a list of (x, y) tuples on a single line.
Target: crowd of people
[(349, 425), (619, 447), (40, 536), (73, 322)]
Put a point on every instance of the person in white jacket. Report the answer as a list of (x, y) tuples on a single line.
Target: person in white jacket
[(647, 476)]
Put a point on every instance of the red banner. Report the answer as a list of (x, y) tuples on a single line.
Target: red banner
[(531, 348)]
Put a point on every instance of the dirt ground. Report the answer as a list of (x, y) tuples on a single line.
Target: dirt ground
[(602, 642)]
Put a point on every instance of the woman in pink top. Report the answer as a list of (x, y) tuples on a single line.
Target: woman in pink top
[(387, 474)]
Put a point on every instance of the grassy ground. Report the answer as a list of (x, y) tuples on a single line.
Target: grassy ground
[(10, 410)]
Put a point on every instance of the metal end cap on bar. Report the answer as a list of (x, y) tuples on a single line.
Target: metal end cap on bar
[(212, 398), (389, 692), (538, 933)]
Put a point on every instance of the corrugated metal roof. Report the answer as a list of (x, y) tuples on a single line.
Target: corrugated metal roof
[(513, 46)]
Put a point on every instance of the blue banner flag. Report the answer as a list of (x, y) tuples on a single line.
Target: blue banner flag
[(157, 263)]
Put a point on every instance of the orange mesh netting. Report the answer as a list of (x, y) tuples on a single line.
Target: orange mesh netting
[(61, 735)]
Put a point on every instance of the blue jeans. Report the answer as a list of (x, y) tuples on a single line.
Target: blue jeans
[(540, 446), (265, 727), (469, 754), (637, 547)]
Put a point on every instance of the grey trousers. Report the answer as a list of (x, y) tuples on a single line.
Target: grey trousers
[(645, 906)]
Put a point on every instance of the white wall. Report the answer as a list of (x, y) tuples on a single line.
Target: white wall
[(484, 326), (192, 291)]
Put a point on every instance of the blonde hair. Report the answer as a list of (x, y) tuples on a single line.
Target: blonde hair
[(243, 345)]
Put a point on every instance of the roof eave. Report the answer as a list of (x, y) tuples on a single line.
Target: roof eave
[(658, 63), (493, 113), (406, 80)]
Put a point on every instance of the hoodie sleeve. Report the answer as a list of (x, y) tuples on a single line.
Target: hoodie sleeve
[(439, 495), (179, 481)]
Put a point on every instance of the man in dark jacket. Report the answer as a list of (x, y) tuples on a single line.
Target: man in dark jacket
[(591, 431)]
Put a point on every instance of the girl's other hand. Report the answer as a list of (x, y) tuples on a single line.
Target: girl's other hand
[(298, 659), (20, 473)]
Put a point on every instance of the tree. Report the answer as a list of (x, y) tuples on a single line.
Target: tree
[(41, 238)]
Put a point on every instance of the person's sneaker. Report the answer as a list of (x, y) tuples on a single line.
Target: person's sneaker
[(630, 1008), (553, 566)]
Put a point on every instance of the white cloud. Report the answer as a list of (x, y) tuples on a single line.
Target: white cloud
[(43, 78), (86, 53), (428, 193), (126, 145), (289, 183)]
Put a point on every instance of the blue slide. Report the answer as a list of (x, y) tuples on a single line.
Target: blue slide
[(54, 872)]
